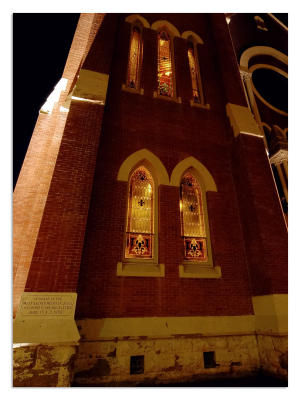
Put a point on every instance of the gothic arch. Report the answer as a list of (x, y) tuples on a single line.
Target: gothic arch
[(139, 156), (170, 27), (197, 38), (190, 162), (133, 18), (261, 50)]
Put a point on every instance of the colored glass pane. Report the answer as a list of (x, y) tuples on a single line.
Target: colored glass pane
[(140, 215), (134, 59), (193, 74), (165, 74), (193, 226)]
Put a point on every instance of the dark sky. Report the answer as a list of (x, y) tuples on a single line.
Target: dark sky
[(41, 43)]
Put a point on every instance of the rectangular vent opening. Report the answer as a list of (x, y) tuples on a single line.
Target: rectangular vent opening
[(137, 365), (209, 359)]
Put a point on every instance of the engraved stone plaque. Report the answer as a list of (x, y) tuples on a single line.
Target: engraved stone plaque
[(46, 317), (47, 305)]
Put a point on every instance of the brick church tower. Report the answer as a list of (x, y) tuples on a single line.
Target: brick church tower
[(150, 236)]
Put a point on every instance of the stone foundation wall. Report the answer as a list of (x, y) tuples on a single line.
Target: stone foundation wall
[(178, 358), (165, 360), (273, 351), (43, 366)]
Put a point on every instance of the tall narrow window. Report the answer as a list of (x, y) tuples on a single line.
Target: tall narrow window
[(135, 58), (140, 217), (192, 218), (196, 92), (165, 70)]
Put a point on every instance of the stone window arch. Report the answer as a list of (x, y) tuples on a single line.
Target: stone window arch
[(143, 172), (193, 180)]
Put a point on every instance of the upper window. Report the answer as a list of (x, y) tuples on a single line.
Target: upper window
[(192, 219), (135, 57), (165, 65), (140, 216), (197, 94)]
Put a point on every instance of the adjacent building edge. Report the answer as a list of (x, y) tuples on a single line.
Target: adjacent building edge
[(54, 351)]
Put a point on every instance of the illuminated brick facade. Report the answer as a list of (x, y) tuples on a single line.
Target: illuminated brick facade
[(76, 228)]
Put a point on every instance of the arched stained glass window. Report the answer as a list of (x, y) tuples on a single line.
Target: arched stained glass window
[(192, 218), (165, 69), (140, 216), (135, 58), (196, 92)]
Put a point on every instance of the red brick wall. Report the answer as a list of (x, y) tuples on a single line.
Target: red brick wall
[(172, 132), (262, 220), (81, 235), (55, 262)]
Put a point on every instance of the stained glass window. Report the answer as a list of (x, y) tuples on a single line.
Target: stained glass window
[(192, 218), (140, 217), (165, 72), (193, 73), (134, 58)]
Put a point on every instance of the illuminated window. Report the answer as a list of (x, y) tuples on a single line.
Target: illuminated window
[(165, 69), (193, 74), (197, 93), (192, 219), (135, 58), (140, 216)]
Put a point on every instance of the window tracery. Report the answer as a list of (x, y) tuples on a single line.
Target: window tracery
[(196, 93), (140, 217), (165, 68), (192, 219), (196, 82), (135, 58)]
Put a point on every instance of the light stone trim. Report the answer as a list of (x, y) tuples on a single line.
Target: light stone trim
[(132, 90), (134, 17), (261, 50), (242, 121), (164, 327), (132, 160), (140, 269), (174, 98), (163, 23), (200, 105), (199, 271), (190, 162), (271, 312), (196, 37), (91, 85)]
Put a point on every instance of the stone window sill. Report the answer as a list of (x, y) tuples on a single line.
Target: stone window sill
[(199, 105), (174, 99), (132, 90), (140, 269), (199, 271)]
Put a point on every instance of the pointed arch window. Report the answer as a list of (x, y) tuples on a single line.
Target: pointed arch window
[(165, 65), (135, 57), (140, 215), (192, 219), (197, 93)]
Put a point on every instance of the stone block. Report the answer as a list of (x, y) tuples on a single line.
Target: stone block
[(49, 356), (24, 357)]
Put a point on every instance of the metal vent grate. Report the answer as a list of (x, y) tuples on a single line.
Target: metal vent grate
[(137, 365)]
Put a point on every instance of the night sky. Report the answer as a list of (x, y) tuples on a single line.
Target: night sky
[(41, 43)]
